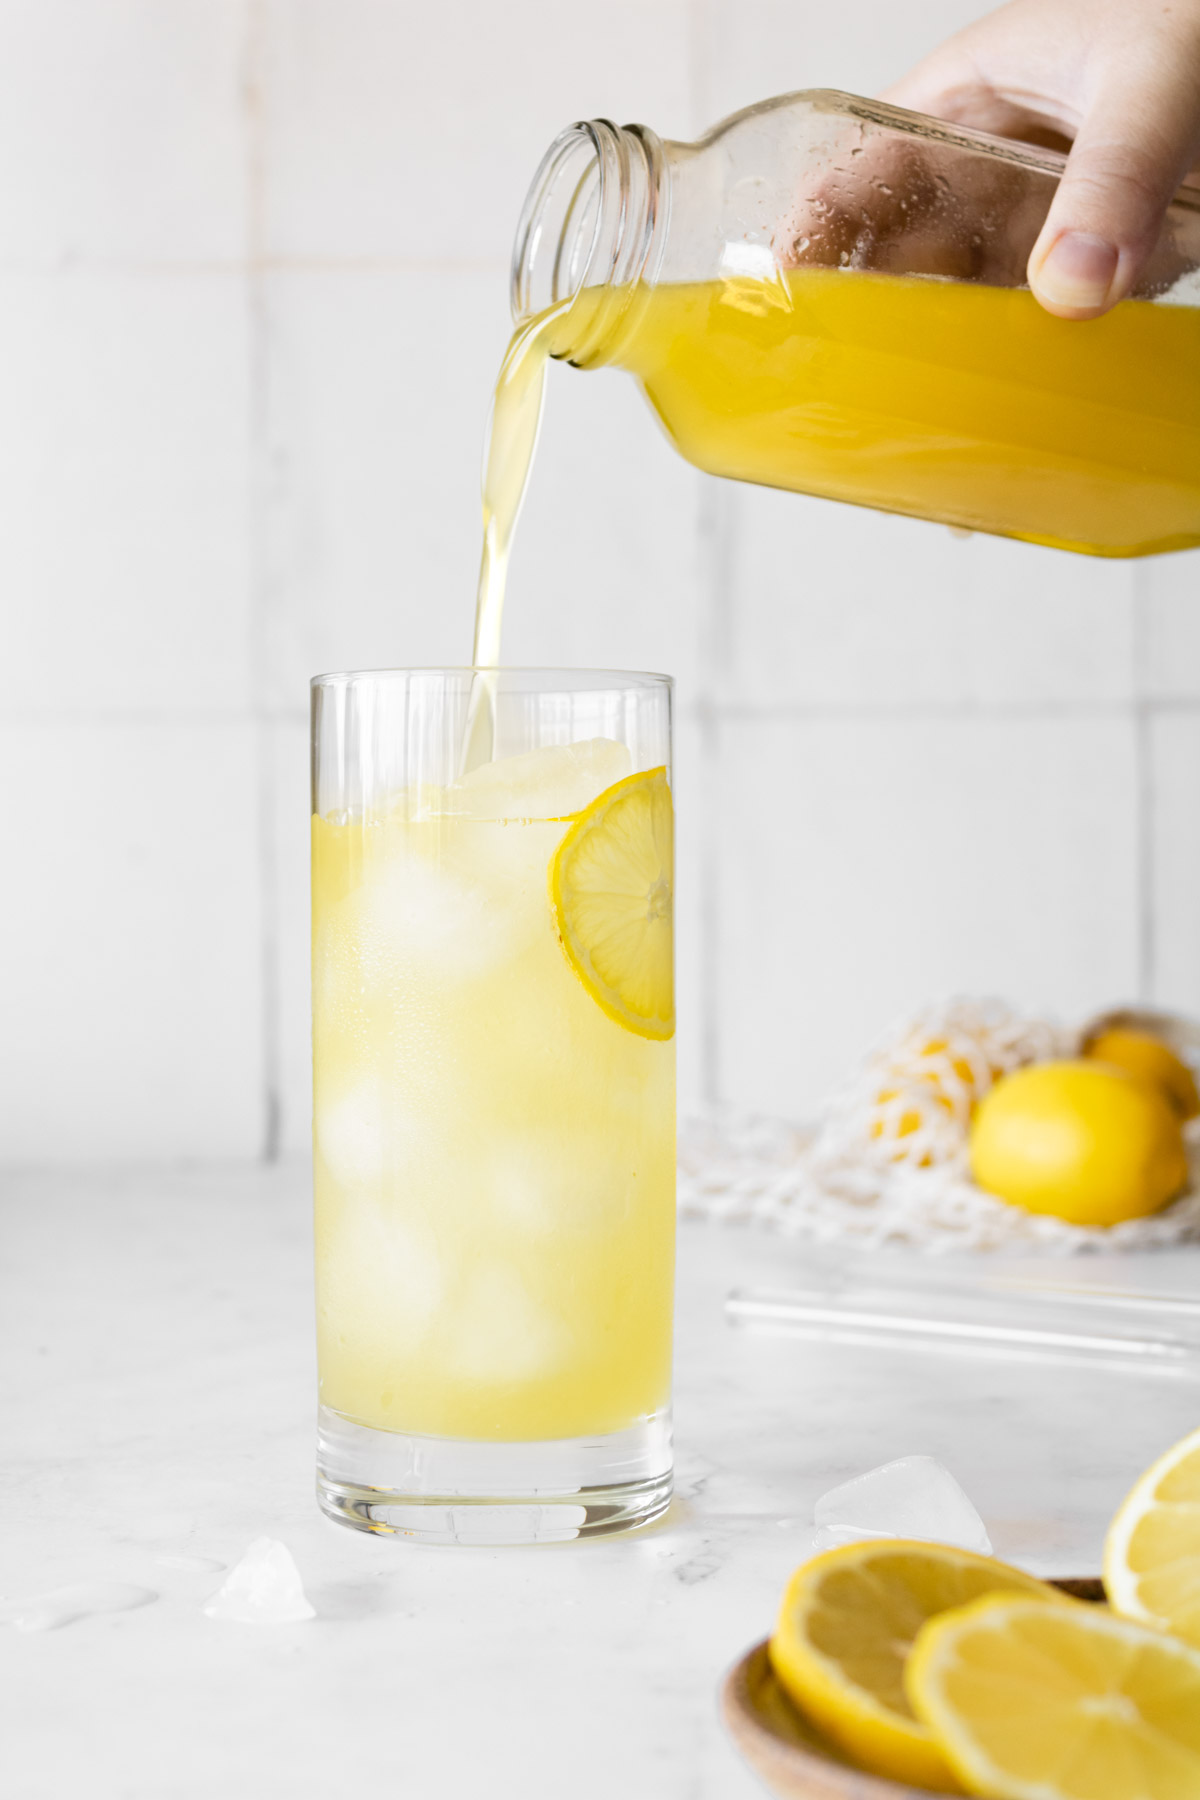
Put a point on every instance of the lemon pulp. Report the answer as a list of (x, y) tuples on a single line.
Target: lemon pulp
[(847, 1621), (1035, 1701), (1152, 1552)]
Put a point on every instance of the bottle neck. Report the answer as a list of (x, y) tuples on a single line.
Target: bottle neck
[(596, 218)]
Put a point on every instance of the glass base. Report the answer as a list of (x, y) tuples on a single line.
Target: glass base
[(455, 1491)]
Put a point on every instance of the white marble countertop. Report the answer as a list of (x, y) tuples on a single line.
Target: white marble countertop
[(159, 1404)]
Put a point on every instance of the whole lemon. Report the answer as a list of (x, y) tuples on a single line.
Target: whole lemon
[(1082, 1140), (1147, 1057)]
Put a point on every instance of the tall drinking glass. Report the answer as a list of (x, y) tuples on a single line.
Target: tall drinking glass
[(494, 1129)]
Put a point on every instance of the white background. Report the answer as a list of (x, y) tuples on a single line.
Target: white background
[(253, 294)]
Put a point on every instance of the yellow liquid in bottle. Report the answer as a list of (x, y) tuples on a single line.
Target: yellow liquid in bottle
[(948, 401)]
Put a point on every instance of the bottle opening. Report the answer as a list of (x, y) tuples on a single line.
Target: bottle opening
[(560, 224), (595, 217)]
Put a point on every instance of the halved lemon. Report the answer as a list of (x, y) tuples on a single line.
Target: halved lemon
[(1152, 1551), (611, 888), (1032, 1701), (848, 1620)]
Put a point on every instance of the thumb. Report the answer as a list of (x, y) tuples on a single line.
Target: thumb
[(1138, 139)]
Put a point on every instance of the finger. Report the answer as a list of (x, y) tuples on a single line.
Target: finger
[(1136, 142)]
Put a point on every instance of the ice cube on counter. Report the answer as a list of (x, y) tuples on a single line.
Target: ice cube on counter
[(913, 1497), (263, 1589)]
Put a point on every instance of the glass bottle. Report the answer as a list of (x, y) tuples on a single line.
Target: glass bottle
[(828, 294)]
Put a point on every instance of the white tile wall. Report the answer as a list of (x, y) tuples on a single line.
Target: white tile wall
[(1170, 587), (1174, 871), (130, 961), (411, 132), (122, 131), (867, 609), (760, 47), (253, 288), (289, 1072), (608, 566), (379, 384), (870, 865), (124, 466)]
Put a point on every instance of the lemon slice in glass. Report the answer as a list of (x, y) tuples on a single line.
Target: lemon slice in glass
[(845, 1627), (1031, 1701), (1152, 1552), (611, 888)]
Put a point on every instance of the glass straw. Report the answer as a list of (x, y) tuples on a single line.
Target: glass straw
[(994, 1314)]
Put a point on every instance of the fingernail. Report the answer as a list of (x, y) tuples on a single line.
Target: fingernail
[(1077, 272)]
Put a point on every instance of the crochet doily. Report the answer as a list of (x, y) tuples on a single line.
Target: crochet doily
[(885, 1163)]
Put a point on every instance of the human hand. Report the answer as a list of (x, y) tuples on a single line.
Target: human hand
[(1116, 80)]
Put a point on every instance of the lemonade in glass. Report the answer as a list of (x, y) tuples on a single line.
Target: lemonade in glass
[(494, 1131)]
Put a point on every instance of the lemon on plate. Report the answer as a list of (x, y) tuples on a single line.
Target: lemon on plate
[(845, 1628), (1032, 1701), (1146, 1057), (611, 882), (1083, 1140), (1152, 1551)]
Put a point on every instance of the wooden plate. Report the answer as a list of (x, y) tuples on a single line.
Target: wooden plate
[(789, 1753)]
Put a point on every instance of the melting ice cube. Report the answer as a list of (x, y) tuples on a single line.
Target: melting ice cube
[(263, 1589), (541, 784), (501, 1332), (914, 1497)]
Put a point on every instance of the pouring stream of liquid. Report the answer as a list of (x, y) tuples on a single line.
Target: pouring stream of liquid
[(512, 440)]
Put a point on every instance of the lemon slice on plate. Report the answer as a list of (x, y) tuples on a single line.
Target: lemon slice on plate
[(1152, 1552), (1033, 1701), (611, 888), (845, 1628)]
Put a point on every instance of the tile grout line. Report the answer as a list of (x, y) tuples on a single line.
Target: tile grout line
[(713, 541), (1143, 715), (728, 712), (835, 712), (700, 36), (269, 262), (260, 473)]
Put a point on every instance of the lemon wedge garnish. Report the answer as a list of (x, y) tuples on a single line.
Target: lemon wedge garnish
[(1152, 1552), (1032, 1701), (845, 1627), (611, 888)]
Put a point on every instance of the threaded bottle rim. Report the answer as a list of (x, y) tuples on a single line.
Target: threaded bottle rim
[(596, 215)]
